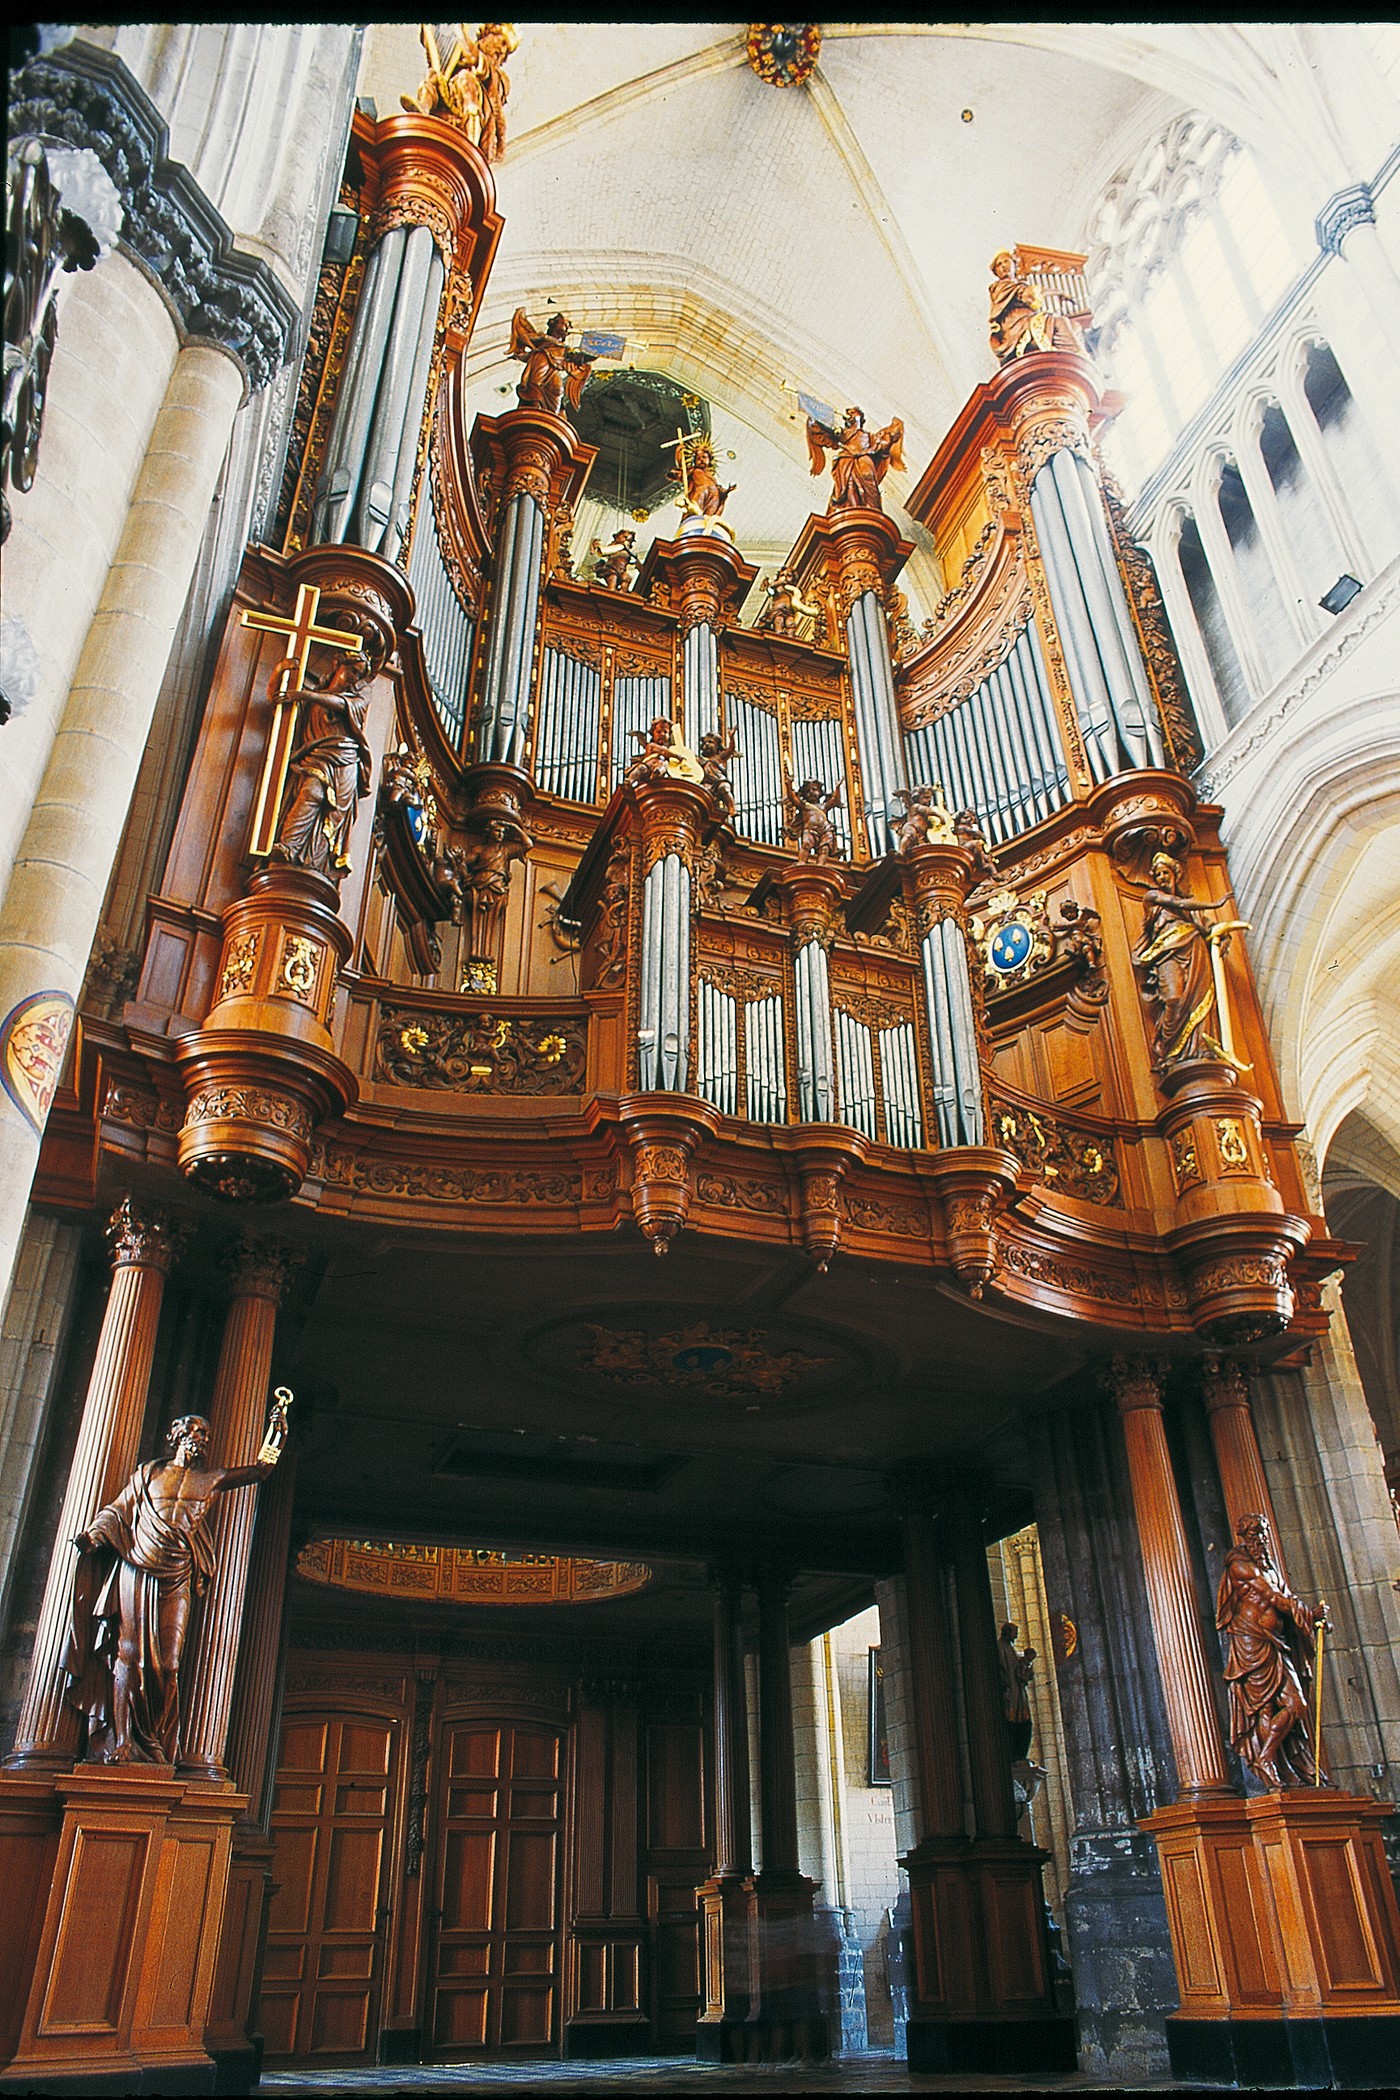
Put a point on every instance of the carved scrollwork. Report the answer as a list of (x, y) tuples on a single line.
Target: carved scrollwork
[(249, 1104), (903, 1220), (747, 1193), (1070, 1277), (336, 1166), (1080, 1162), (481, 1053)]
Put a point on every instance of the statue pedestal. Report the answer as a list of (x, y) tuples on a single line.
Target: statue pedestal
[(1286, 1938), (786, 2019), (724, 1910), (980, 1999), (114, 1993)]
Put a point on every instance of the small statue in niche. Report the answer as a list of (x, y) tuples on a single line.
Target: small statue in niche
[(968, 830), (495, 42), (862, 458), (453, 86), (1269, 1636), (808, 819), (483, 868), (1178, 956), (612, 563), (141, 1563), (664, 755), (1017, 1670), (702, 495), (787, 606), (553, 372), (1019, 320), (715, 753), (331, 766), (1081, 936), (927, 820)]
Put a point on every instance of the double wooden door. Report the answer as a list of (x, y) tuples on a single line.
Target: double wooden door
[(494, 1952)]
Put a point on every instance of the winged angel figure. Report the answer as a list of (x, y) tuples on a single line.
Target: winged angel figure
[(553, 372), (862, 458)]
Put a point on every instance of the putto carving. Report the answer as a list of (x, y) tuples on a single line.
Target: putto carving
[(1080, 936), (1271, 1642), (715, 753), (553, 372), (665, 755), (862, 459), (927, 820), (786, 608), (612, 565), (142, 1562), (807, 819)]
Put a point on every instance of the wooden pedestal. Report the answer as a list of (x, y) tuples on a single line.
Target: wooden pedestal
[(1286, 1938), (116, 1992), (231, 2036), (981, 1998), (725, 1903), (762, 1932)]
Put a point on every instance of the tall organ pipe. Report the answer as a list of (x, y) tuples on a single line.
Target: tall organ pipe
[(1129, 694), (397, 406), (877, 733), (957, 1079), (506, 688), (340, 482)]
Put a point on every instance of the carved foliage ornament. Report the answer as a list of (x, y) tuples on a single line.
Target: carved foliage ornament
[(140, 1235), (481, 1053), (43, 240), (722, 1363), (1079, 1162)]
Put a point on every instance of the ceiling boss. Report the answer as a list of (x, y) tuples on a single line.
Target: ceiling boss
[(784, 53)]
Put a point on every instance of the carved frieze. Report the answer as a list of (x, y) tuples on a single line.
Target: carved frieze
[(481, 1053), (1060, 1154), (336, 1166)]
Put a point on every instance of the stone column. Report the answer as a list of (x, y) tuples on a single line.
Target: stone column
[(51, 911), (260, 1271), (932, 1694), (989, 1748), (144, 1246), (1136, 1386)]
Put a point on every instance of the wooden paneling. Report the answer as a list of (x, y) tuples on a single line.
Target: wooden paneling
[(676, 1863), (330, 1826), (495, 1958)]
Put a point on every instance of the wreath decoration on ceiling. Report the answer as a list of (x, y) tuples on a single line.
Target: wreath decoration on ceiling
[(784, 53)]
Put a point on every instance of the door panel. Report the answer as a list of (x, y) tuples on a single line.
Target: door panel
[(495, 1964), (330, 1825)]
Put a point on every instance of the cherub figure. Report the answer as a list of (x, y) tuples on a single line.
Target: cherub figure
[(1019, 320), (968, 831), (927, 820), (494, 43), (453, 86), (808, 819), (862, 458), (715, 754), (553, 372), (664, 755), (611, 563), (786, 604)]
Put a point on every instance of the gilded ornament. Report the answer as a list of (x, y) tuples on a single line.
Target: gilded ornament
[(720, 1363), (784, 54), (240, 963), (300, 963), (1230, 1139), (1185, 1166)]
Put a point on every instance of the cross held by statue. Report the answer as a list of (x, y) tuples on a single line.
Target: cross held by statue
[(302, 632)]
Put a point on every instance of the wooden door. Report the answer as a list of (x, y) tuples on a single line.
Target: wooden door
[(495, 1961), (330, 1828)]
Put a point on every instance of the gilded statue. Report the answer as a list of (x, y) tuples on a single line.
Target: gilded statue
[(702, 495), (807, 819), (453, 86), (1017, 1670), (664, 755), (786, 605), (330, 768), (1269, 1641), (1182, 968), (611, 564), (553, 372), (141, 1563), (1020, 320), (862, 458), (715, 753), (927, 820)]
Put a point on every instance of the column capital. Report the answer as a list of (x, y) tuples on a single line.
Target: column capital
[(260, 1268), (1224, 1382), (145, 1236), (1135, 1382)]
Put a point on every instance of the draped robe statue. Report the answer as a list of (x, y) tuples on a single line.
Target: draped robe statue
[(1269, 1637), (141, 1563)]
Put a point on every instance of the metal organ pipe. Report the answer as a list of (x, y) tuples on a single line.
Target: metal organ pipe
[(957, 1079), (398, 407), (700, 673), (340, 483), (506, 688), (1097, 568), (877, 735), (663, 1032), (1072, 619)]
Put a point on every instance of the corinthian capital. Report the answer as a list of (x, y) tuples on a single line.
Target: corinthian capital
[(144, 1236), (1135, 1381), (1224, 1382), (259, 1268)]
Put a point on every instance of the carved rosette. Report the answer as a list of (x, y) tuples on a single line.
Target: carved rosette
[(975, 1183), (664, 1131)]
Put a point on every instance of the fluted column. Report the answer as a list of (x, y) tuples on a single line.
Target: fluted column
[(260, 1270), (144, 1242), (777, 1777), (1136, 1386), (733, 1835), (256, 1722), (989, 1748), (932, 1693)]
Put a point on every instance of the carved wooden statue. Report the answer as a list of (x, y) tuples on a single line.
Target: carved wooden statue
[(141, 1562), (612, 563), (715, 753), (808, 819), (786, 605), (453, 88), (1174, 956), (1017, 1670), (553, 372), (702, 494), (494, 43), (968, 830), (1269, 1636), (664, 755), (1019, 319), (330, 768), (862, 458), (927, 820)]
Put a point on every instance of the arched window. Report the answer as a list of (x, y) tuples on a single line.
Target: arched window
[(1225, 665), (1355, 458), (1302, 513), (1269, 622)]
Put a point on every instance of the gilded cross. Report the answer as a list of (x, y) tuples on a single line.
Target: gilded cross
[(301, 632)]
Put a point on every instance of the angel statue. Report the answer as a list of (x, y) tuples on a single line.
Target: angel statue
[(927, 820), (142, 1562), (453, 86), (665, 755), (714, 753), (553, 373), (611, 563), (862, 458), (786, 605), (808, 820)]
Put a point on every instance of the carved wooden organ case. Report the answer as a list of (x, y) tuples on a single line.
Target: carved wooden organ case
[(507, 987)]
